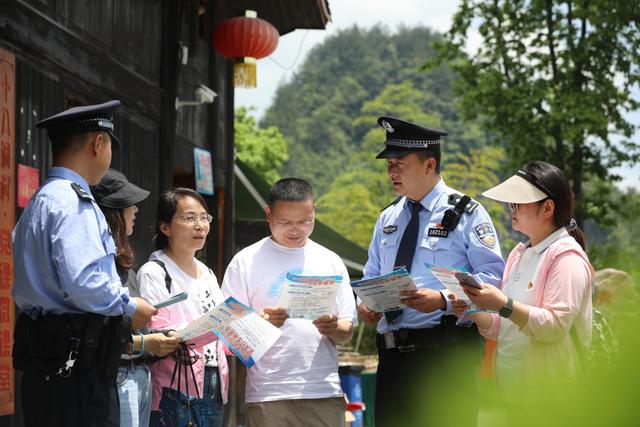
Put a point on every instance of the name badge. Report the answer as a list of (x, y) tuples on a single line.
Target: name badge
[(438, 232), (389, 229)]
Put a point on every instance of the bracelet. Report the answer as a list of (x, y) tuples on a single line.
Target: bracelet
[(141, 345), (130, 346), (130, 350)]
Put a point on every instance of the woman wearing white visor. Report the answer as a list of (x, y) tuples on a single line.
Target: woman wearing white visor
[(543, 308)]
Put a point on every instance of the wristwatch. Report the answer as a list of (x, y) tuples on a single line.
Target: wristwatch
[(507, 309)]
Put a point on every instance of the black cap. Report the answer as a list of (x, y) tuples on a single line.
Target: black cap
[(404, 137), (116, 192), (77, 120)]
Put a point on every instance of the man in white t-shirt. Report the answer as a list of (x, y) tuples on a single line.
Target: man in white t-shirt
[(296, 382)]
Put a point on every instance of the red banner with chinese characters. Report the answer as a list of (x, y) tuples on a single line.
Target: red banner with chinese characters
[(7, 222), (28, 183)]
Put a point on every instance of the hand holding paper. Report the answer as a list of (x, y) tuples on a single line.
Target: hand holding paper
[(424, 300), (274, 315), (368, 316), (459, 307), (326, 324), (448, 279)]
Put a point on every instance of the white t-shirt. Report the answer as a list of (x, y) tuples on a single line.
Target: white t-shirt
[(521, 285), (302, 364), (203, 293)]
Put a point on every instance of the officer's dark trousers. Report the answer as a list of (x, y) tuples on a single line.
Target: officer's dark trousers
[(426, 387), (79, 400)]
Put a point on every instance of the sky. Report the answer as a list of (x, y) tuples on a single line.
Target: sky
[(292, 49)]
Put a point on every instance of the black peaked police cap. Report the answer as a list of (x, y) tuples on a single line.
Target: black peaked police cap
[(116, 192), (405, 137), (77, 120)]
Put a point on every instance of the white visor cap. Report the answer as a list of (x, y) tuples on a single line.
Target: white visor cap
[(515, 190)]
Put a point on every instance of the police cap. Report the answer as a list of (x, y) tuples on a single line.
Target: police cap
[(404, 137), (77, 120), (116, 192)]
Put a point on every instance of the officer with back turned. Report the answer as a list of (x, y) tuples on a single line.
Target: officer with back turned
[(421, 350), (75, 315)]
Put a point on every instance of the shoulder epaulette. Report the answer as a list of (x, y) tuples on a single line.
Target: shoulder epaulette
[(395, 202), (81, 192), (454, 198)]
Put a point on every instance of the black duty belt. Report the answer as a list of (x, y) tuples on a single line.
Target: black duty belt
[(405, 340)]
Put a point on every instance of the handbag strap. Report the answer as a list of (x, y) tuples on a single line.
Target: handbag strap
[(183, 354), (193, 375), (175, 368)]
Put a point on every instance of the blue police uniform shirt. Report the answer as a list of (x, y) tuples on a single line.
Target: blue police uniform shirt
[(64, 255), (473, 246)]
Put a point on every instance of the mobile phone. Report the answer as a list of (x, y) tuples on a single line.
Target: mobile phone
[(467, 279), (172, 300)]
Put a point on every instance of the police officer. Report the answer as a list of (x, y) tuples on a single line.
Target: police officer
[(429, 225), (74, 317)]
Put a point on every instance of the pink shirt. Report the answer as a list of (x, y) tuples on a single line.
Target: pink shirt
[(562, 302), (153, 289)]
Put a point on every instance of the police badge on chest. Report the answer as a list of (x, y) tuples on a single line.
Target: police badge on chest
[(438, 232)]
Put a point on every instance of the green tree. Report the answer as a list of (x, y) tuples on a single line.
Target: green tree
[(554, 79), (354, 199), (264, 150), (617, 246), (318, 108), (475, 173)]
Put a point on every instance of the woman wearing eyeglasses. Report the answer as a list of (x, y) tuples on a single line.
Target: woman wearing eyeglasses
[(542, 319), (182, 227)]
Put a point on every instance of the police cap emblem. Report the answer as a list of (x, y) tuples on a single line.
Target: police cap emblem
[(387, 126)]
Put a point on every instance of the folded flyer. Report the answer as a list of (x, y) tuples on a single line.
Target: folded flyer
[(246, 334), (451, 283), (382, 293), (309, 297)]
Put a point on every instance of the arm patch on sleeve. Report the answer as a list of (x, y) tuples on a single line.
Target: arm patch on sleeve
[(485, 233)]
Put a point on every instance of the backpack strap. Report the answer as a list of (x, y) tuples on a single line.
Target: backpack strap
[(167, 277)]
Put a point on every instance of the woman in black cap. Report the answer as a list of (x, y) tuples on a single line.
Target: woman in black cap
[(117, 198)]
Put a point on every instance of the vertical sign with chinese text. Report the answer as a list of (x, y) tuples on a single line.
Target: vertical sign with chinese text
[(7, 222)]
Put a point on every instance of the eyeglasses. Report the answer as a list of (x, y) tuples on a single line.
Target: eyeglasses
[(191, 218), (302, 225), (515, 206)]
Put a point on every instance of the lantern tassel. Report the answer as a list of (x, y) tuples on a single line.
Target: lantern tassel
[(244, 73)]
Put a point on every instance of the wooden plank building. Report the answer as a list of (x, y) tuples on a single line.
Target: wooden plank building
[(144, 53)]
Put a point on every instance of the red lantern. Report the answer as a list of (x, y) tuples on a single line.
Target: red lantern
[(245, 38)]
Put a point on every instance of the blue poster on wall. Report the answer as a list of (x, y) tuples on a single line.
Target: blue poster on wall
[(204, 171)]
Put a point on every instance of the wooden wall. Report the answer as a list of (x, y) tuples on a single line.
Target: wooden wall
[(72, 52)]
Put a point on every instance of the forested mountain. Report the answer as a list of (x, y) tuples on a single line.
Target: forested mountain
[(317, 110), (328, 112)]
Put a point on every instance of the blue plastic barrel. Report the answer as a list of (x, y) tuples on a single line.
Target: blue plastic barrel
[(351, 383)]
